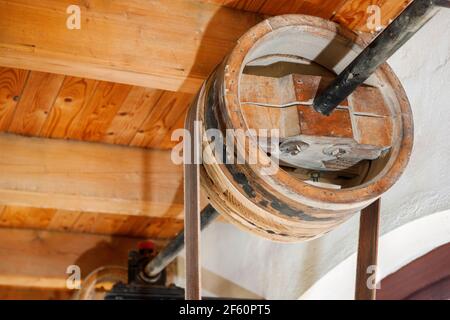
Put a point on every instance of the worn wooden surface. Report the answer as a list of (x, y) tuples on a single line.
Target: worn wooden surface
[(26, 293), (171, 45), (31, 258), (367, 252), (361, 128), (175, 49), (192, 206), (153, 52), (53, 106), (350, 13), (324, 9), (265, 199), (81, 176), (89, 222), (354, 14)]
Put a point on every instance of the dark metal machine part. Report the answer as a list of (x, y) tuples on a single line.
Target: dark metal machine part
[(411, 20), (122, 291), (140, 287), (145, 292)]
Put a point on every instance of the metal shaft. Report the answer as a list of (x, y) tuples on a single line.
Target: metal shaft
[(376, 53), (170, 252)]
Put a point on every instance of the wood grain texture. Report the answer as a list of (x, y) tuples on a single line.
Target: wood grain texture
[(170, 45), (89, 222), (167, 115), (70, 102), (266, 118), (163, 44), (35, 103), (26, 293), (338, 124), (367, 250), (93, 122), (80, 176), (12, 82), (89, 110), (33, 258), (354, 14), (132, 114), (324, 9), (192, 207)]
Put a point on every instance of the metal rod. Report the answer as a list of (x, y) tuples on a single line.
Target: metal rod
[(170, 252), (376, 53), (443, 3), (366, 267)]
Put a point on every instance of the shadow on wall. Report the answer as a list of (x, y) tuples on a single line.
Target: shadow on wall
[(113, 251)]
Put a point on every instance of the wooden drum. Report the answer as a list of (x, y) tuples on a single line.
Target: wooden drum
[(326, 168)]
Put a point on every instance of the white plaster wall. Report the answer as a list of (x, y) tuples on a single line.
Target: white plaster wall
[(281, 271), (339, 282)]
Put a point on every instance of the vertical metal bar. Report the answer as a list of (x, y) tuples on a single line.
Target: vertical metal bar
[(192, 205), (414, 17), (174, 247), (367, 252)]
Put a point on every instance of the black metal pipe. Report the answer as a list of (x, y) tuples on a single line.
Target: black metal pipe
[(170, 252), (443, 3), (376, 53)]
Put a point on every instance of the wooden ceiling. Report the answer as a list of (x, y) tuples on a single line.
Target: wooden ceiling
[(64, 107), (126, 78)]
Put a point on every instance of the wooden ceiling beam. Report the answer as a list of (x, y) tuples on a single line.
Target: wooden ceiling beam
[(89, 177), (89, 222), (171, 45), (39, 259), (354, 14)]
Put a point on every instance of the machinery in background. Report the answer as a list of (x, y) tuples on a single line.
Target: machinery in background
[(140, 286)]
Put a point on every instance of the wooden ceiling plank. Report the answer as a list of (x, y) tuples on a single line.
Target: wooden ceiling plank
[(24, 293), (98, 111), (324, 9), (93, 121), (141, 42), (246, 5), (109, 224), (81, 176), (91, 223), (85, 223), (320, 8), (17, 217), (131, 115), (163, 119), (170, 45), (72, 98), (282, 7), (12, 82), (35, 103), (354, 14), (33, 258), (63, 220)]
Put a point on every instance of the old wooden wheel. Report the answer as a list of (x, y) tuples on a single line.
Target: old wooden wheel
[(327, 167)]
